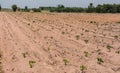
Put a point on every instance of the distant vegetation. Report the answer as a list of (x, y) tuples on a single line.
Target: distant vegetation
[(26, 9), (105, 8)]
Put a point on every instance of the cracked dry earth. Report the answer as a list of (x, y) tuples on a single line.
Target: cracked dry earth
[(59, 43)]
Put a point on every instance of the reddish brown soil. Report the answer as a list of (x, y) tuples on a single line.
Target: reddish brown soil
[(50, 38)]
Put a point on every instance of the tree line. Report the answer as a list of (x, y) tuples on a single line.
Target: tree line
[(104, 8), (26, 9)]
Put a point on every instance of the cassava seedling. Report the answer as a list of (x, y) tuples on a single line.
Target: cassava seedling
[(65, 61), (83, 68), (116, 37), (24, 54), (77, 37), (86, 41), (118, 52), (100, 60), (63, 32), (28, 23), (31, 63), (109, 47), (86, 53), (118, 22)]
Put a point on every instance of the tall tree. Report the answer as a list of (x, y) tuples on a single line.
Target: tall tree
[(99, 8), (0, 7), (91, 8), (118, 8), (61, 6), (26, 8), (14, 7)]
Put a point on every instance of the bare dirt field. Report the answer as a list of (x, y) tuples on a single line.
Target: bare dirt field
[(59, 43)]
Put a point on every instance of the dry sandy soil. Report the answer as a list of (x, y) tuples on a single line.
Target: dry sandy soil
[(59, 43)]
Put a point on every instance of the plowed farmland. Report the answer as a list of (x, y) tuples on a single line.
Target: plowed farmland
[(59, 43)]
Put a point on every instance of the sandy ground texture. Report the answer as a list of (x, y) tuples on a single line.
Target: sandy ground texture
[(59, 43)]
